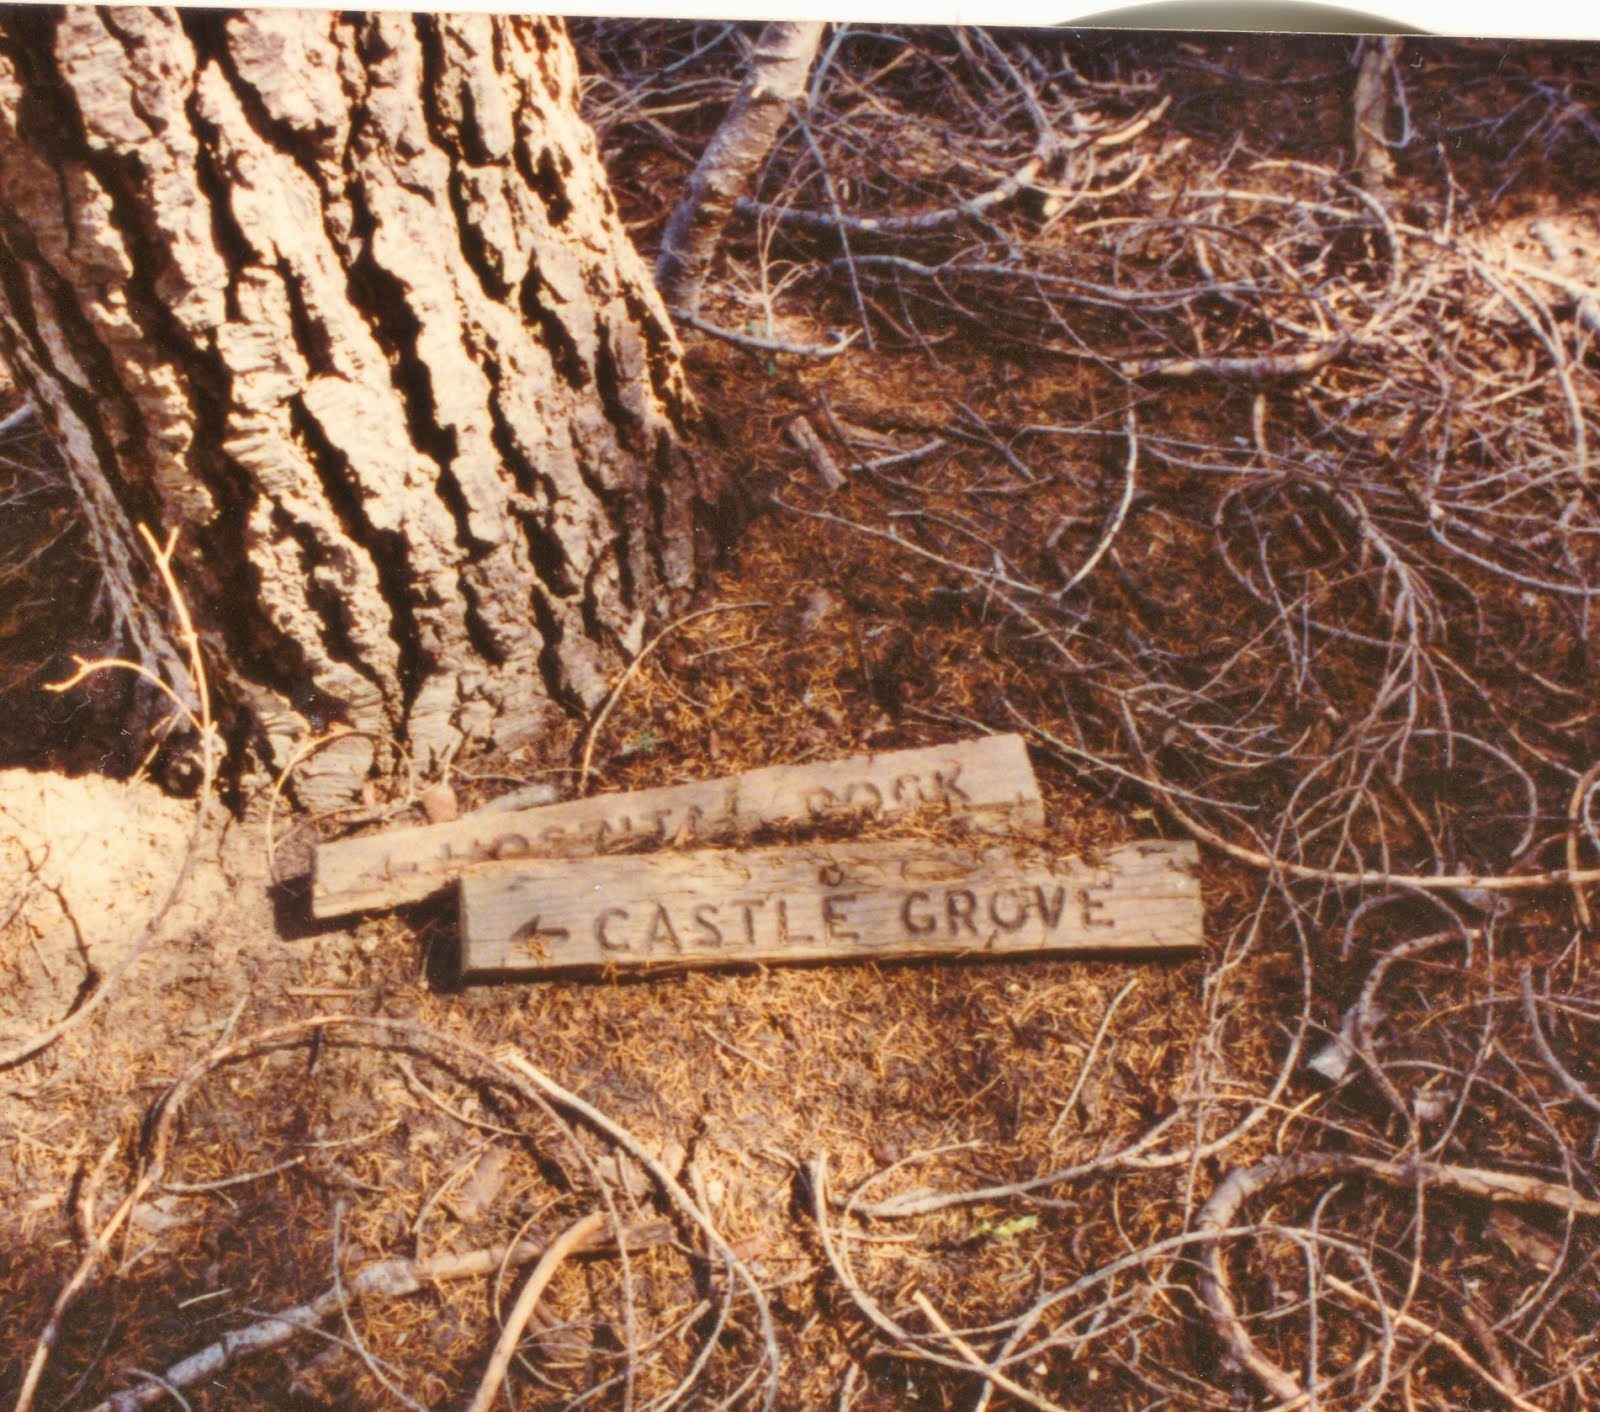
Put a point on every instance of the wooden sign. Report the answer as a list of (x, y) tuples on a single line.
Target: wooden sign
[(988, 782), (823, 902)]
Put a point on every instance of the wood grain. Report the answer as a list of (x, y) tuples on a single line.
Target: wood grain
[(823, 902), (988, 782)]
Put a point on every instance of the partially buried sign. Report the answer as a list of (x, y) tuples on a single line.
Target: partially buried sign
[(823, 902), (987, 783)]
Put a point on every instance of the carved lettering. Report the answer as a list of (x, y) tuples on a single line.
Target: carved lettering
[(864, 790), (922, 922), (510, 845), (784, 936), (616, 829), (605, 942), (988, 781), (834, 919), (773, 905), (555, 839), (820, 801), (1091, 905), (535, 940), (1009, 921), (1050, 909), (698, 823), (661, 925), (748, 909), (908, 790), (705, 921), (948, 781), (959, 905)]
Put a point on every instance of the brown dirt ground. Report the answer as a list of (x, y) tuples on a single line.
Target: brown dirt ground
[(739, 1078), (324, 1153), (746, 1076)]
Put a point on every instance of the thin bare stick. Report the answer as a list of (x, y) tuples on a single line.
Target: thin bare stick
[(1575, 809), (191, 643), (1530, 1010), (375, 1365), (832, 349), (1219, 1212), (1259, 367), (1432, 1335), (99, 1242), (1428, 882), (1121, 513), (1089, 1058), (383, 1279), (987, 1371), (520, 1064), (504, 1350)]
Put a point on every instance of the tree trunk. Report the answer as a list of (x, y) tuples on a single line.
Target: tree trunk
[(345, 300)]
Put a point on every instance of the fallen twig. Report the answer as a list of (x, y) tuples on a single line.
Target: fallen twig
[(1118, 515), (1564, 1076), (1250, 367), (987, 1371), (809, 444), (383, 1279), (505, 1349), (831, 349), (1089, 1058), (670, 1185), (1220, 1213)]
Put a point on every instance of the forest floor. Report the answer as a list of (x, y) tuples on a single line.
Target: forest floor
[(1258, 500)]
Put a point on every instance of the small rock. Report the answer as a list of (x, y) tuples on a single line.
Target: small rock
[(439, 803)]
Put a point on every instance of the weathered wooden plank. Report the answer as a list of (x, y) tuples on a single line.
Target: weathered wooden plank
[(822, 902), (988, 782)]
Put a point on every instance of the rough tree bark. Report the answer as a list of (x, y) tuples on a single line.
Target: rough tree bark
[(346, 301)]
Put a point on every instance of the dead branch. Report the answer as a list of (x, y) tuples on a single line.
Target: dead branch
[(392, 1278), (1255, 368), (98, 1239), (991, 1375), (759, 344), (1568, 1081), (1114, 524), (775, 81), (1220, 1214), (818, 457), (767, 1369), (514, 1074), (563, 1245), (1369, 110)]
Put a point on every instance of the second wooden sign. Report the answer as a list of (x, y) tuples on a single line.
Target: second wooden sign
[(823, 902)]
